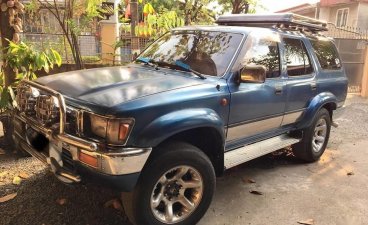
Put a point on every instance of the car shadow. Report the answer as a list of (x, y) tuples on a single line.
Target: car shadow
[(37, 200), (42, 199)]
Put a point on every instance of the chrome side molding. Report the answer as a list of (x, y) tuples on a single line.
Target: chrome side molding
[(252, 151)]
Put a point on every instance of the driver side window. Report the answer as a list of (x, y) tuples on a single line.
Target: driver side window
[(263, 51)]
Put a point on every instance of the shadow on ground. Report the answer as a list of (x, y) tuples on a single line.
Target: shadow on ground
[(36, 201)]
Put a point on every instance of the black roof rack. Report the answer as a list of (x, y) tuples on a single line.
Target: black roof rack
[(278, 20)]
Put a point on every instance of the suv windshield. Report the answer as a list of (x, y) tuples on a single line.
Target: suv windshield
[(205, 52)]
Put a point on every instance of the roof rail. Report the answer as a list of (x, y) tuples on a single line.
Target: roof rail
[(288, 21)]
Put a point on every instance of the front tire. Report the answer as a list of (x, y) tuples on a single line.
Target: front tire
[(175, 187), (315, 138)]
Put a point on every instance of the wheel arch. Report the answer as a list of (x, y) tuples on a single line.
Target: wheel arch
[(325, 100), (208, 139)]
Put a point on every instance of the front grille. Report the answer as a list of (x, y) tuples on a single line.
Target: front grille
[(26, 99), (46, 109), (67, 158)]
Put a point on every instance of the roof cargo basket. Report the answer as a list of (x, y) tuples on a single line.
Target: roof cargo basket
[(287, 21)]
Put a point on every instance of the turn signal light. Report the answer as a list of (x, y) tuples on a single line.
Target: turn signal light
[(88, 159), (123, 131)]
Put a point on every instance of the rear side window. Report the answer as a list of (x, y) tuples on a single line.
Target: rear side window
[(298, 62), (327, 54)]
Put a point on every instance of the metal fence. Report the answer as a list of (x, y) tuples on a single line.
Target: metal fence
[(352, 43), (132, 46), (89, 45), (346, 32), (352, 53)]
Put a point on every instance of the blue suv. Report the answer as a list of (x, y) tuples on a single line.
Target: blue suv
[(198, 101)]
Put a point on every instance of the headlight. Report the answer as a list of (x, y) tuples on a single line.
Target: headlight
[(114, 130)]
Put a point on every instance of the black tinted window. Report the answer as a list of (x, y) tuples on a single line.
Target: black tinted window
[(206, 52), (297, 58), (327, 54), (263, 50)]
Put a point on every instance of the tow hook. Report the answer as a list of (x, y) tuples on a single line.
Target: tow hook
[(63, 175)]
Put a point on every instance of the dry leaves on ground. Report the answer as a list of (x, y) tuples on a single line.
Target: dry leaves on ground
[(61, 201), (251, 181), (23, 175), (114, 203), (256, 192), (17, 180), (307, 222), (248, 180), (8, 197)]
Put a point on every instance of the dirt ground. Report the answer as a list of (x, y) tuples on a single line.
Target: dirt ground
[(331, 191)]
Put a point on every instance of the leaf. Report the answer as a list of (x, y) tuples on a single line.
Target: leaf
[(307, 222), (23, 175), (114, 203), (17, 180), (256, 192), (19, 76), (251, 181), (8, 197), (4, 99), (61, 201), (3, 174)]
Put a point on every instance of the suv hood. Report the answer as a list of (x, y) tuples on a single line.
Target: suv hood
[(111, 86)]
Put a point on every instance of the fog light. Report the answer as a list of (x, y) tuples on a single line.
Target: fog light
[(88, 159)]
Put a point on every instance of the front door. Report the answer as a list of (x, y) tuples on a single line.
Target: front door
[(257, 108)]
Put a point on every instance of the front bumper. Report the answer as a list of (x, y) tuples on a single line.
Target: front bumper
[(118, 169), (71, 158)]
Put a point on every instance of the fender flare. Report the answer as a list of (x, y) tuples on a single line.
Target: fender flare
[(175, 122), (314, 106)]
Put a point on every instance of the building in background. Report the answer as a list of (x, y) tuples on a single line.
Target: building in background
[(341, 13)]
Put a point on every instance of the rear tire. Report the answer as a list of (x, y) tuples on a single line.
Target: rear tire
[(315, 138), (175, 187)]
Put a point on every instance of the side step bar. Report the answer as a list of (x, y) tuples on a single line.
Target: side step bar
[(252, 151)]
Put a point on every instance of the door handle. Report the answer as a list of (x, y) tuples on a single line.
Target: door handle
[(313, 86), (278, 90)]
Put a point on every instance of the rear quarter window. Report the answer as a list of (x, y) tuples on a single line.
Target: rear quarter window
[(327, 54)]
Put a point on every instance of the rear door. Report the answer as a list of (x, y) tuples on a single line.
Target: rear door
[(301, 78)]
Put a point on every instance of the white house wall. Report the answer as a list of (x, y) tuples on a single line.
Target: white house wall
[(363, 16)]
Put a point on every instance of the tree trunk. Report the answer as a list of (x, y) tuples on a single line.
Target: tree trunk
[(78, 58), (134, 16), (6, 32)]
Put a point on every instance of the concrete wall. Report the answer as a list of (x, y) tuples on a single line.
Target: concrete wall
[(363, 16), (108, 38), (329, 13)]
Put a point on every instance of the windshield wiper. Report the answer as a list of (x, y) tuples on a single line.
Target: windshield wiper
[(147, 61), (187, 67)]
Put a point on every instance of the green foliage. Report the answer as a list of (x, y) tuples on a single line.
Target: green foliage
[(93, 8), (91, 59), (157, 24), (240, 6), (26, 62)]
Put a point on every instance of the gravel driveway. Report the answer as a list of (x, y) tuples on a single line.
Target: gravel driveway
[(331, 191)]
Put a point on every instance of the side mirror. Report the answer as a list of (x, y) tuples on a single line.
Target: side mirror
[(253, 74)]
